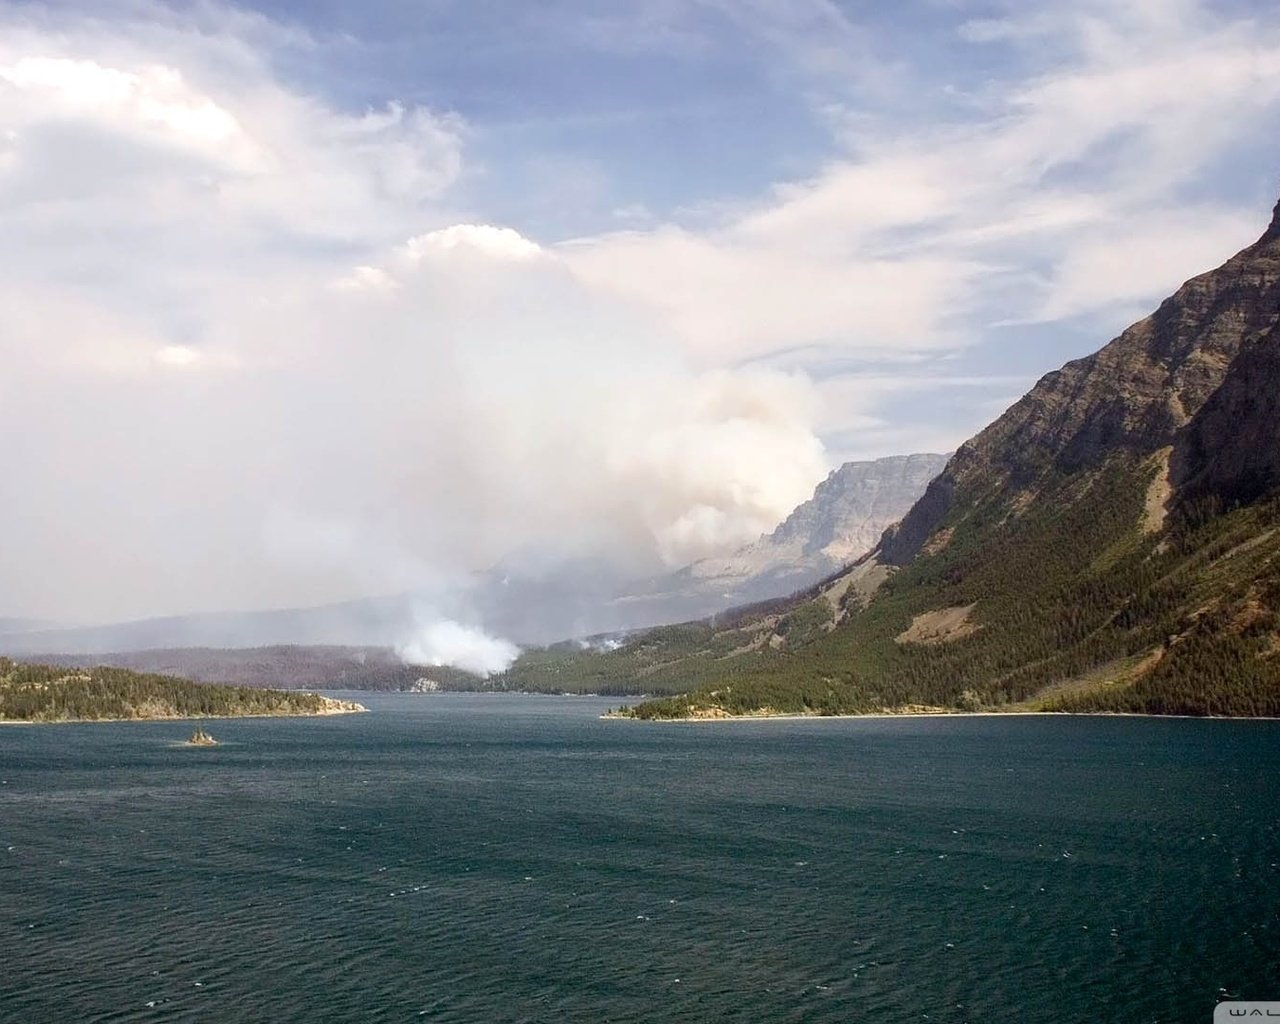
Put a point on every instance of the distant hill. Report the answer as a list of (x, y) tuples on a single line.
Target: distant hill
[(1111, 543), (280, 666)]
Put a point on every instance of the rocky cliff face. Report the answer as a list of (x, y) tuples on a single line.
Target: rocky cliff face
[(841, 522), (1230, 451), (1141, 393), (843, 518)]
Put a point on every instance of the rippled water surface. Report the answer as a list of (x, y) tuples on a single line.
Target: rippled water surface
[(479, 858)]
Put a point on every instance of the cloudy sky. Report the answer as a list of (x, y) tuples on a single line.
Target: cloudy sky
[(308, 300)]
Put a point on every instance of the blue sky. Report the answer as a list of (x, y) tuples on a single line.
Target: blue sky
[(585, 118), (568, 278)]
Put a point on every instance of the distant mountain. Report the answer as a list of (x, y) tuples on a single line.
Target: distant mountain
[(843, 519), (1112, 542), (12, 625), (376, 621)]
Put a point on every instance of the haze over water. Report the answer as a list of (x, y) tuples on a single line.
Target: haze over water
[(484, 858)]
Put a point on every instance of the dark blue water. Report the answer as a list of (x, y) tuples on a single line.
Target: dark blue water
[(475, 858)]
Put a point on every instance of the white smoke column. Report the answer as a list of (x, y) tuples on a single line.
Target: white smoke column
[(390, 403), (444, 642)]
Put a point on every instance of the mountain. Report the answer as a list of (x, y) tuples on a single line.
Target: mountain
[(355, 623), (1136, 397), (1112, 542), (841, 522), (12, 625), (843, 519)]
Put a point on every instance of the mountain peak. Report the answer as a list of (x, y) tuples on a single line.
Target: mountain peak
[(1137, 395), (1272, 233)]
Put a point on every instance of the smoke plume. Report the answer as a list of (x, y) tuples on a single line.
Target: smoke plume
[(445, 642)]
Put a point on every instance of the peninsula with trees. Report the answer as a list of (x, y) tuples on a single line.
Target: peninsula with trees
[(48, 693)]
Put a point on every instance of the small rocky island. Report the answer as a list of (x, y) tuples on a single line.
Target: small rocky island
[(48, 693), (200, 738)]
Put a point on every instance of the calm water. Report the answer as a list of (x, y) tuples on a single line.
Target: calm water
[(474, 858)]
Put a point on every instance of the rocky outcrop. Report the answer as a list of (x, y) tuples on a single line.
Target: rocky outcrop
[(851, 508), (1143, 391), (1230, 451)]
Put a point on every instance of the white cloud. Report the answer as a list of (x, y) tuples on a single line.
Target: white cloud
[(482, 239), (366, 279), (718, 461), (730, 298), (184, 357), (153, 100), (1105, 267), (932, 231)]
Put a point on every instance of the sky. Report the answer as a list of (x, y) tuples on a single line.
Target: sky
[(305, 301)]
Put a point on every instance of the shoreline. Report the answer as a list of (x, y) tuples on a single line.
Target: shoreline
[(712, 720), (325, 713)]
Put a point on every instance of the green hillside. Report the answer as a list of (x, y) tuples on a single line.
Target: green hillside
[(1180, 622)]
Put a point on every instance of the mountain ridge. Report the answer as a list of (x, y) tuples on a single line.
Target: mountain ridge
[(1109, 543), (1137, 392)]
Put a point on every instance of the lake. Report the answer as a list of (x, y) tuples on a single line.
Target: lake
[(502, 858)]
